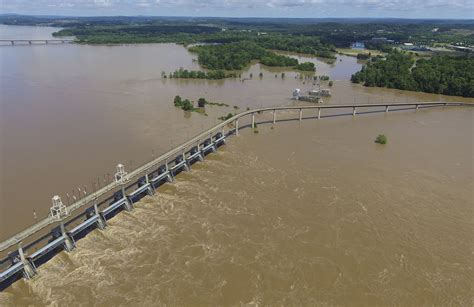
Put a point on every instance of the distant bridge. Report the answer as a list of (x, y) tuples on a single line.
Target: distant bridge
[(36, 41), (102, 203)]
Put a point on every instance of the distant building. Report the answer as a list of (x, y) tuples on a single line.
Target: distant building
[(412, 47), (462, 48), (358, 45)]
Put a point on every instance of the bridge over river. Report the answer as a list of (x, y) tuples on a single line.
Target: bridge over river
[(36, 41), (24, 252)]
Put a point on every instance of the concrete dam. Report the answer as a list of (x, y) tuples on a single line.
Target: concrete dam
[(22, 254)]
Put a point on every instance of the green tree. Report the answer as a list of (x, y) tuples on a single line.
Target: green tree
[(178, 101), (202, 102)]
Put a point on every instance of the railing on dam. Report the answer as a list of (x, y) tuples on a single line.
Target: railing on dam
[(33, 246)]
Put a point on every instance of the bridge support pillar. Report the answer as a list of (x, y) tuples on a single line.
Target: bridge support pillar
[(101, 224), (29, 42), (386, 109), (354, 111), (169, 177), (301, 114), (28, 269), (68, 243), (253, 120), (319, 113), (13, 43), (417, 107), (150, 186), (187, 166), (128, 205), (213, 147), (46, 41), (274, 116), (200, 157), (236, 127)]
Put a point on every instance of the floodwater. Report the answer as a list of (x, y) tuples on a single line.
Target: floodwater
[(310, 213)]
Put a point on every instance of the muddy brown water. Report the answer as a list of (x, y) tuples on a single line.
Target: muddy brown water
[(306, 213)]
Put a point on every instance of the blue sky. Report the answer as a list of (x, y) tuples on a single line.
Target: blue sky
[(459, 9)]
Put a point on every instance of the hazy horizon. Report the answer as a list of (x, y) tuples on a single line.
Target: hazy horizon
[(405, 9)]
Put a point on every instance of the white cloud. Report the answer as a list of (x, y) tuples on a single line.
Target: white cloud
[(301, 8)]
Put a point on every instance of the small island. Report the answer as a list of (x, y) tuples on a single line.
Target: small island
[(188, 106)]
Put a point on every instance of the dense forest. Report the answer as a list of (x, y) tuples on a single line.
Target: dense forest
[(297, 43), (188, 34), (440, 74), (231, 56), (340, 32), (272, 59), (237, 55)]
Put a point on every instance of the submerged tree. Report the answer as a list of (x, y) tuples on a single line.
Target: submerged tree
[(381, 139)]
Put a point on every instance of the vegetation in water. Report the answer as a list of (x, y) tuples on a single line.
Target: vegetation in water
[(226, 117), (235, 44), (306, 66), (273, 59), (188, 105), (441, 74), (184, 104), (193, 74), (202, 102), (381, 139), (237, 55)]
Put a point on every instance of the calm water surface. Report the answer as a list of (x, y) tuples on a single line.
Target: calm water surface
[(301, 214)]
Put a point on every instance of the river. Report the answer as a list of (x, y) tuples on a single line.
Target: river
[(310, 213)]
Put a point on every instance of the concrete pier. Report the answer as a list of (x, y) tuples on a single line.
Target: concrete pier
[(28, 268)]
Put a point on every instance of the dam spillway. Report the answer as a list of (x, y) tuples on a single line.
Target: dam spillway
[(102, 204)]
